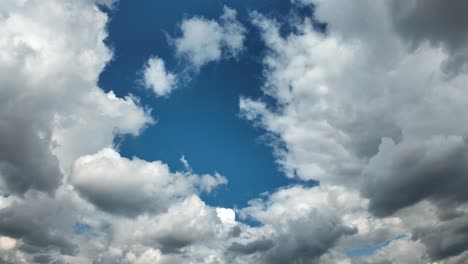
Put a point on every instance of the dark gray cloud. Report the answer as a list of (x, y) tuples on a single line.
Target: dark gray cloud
[(251, 247), (26, 160), (235, 231), (171, 244), (441, 23), (42, 259), (445, 239), (306, 241), (29, 224), (404, 174), (303, 224)]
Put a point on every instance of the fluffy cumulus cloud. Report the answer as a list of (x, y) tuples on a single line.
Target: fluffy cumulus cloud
[(157, 78), (52, 53), (299, 225), (119, 185), (204, 40), (376, 104)]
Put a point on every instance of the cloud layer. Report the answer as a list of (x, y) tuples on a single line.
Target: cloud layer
[(373, 108)]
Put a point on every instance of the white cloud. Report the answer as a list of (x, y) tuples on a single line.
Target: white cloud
[(226, 215), (53, 114), (51, 55), (298, 225), (205, 40), (157, 78), (150, 256), (130, 187), (358, 107), (185, 223), (102, 115)]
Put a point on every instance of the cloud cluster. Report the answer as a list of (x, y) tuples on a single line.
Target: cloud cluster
[(201, 41), (48, 72), (375, 104), (299, 225), (67, 195), (373, 108)]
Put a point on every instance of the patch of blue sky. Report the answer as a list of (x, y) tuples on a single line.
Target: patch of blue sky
[(82, 229), (200, 119), (371, 249)]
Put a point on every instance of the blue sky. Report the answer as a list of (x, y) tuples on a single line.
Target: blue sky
[(199, 120), (254, 131)]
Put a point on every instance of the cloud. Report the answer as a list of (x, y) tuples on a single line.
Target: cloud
[(415, 170), (102, 115), (358, 107), (398, 251), (157, 78), (299, 225), (50, 61), (7, 243), (204, 40), (54, 116), (252, 247), (444, 219), (226, 215), (365, 108), (185, 223), (43, 227), (131, 187), (440, 24), (189, 230), (37, 225)]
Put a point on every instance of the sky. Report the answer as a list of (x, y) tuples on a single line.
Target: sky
[(301, 131), (202, 114)]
